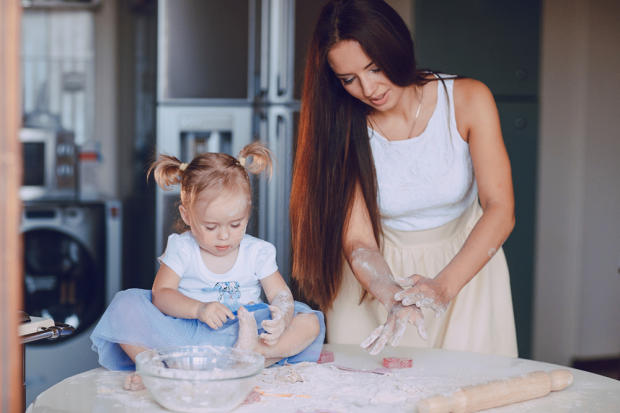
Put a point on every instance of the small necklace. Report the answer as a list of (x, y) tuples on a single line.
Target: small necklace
[(415, 120)]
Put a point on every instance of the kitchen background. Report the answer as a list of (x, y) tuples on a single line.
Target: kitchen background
[(184, 76)]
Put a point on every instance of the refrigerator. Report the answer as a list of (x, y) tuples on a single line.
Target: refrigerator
[(230, 72)]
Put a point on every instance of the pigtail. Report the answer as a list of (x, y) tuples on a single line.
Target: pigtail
[(261, 158), (209, 174), (166, 171)]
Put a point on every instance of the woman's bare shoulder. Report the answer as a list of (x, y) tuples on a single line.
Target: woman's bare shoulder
[(471, 93), (474, 105)]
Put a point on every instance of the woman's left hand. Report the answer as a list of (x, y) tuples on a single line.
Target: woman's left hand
[(424, 293)]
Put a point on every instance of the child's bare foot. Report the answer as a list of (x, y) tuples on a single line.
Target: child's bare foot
[(133, 382), (248, 336)]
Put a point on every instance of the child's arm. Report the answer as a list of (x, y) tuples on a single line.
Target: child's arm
[(282, 307), (168, 300)]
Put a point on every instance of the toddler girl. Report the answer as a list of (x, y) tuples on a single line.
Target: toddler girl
[(207, 290)]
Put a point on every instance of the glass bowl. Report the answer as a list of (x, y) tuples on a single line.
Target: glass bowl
[(199, 378)]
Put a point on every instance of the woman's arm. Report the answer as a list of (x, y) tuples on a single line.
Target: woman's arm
[(168, 300), (478, 122), (371, 270), (282, 307), (364, 257)]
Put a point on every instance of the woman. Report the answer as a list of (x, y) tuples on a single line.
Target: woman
[(389, 168)]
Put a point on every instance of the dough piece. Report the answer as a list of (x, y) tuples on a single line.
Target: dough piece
[(289, 375), (397, 363), (252, 397), (326, 357)]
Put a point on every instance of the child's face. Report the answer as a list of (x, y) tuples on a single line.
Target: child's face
[(220, 224)]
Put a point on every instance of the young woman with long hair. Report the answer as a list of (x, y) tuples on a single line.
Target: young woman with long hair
[(402, 192)]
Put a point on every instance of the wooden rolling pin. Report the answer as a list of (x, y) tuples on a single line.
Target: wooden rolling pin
[(498, 392)]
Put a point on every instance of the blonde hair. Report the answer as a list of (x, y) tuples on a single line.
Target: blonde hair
[(213, 172)]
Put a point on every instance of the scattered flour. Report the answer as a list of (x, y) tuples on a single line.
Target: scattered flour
[(336, 390), (289, 375)]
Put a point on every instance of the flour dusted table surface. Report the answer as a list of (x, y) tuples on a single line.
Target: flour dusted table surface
[(434, 371)]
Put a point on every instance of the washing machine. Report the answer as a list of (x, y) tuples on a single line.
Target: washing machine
[(72, 269)]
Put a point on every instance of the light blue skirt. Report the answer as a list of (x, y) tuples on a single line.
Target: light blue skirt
[(131, 318)]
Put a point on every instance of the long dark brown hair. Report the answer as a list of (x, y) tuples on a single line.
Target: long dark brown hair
[(333, 149)]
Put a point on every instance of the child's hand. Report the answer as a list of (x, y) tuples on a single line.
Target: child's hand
[(274, 327), (214, 314)]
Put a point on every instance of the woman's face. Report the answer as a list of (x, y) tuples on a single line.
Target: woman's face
[(362, 78)]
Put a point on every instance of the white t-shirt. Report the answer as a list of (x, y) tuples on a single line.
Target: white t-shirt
[(240, 285)]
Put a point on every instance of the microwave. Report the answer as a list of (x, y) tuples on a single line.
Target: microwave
[(50, 164)]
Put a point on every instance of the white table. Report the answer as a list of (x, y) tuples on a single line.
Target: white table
[(434, 371)]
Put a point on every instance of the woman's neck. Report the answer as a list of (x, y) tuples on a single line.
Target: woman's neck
[(405, 107)]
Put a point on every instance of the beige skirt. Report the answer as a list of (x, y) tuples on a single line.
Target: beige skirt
[(479, 319)]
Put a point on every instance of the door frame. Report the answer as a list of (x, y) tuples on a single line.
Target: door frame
[(11, 271)]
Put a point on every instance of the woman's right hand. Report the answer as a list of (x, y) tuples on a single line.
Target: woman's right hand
[(215, 314), (394, 328)]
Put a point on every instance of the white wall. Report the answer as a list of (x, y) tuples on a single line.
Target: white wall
[(577, 285)]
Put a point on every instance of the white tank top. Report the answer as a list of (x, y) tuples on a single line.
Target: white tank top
[(426, 181)]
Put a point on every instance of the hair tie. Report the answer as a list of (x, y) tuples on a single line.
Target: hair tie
[(183, 166), (241, 161)]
